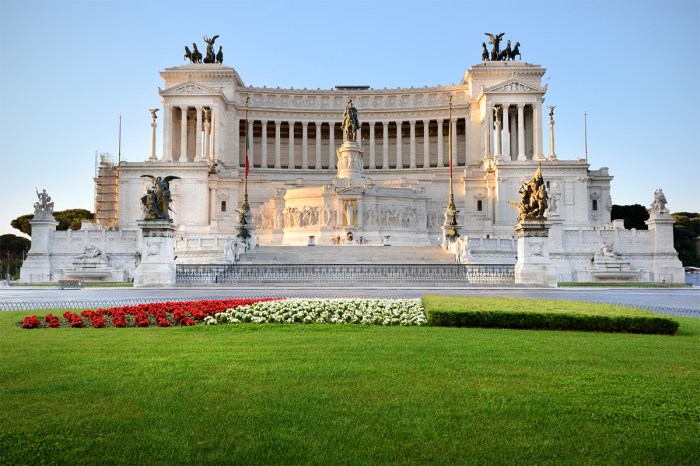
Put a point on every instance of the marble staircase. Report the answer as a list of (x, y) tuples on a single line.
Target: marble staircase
[(347, 254)]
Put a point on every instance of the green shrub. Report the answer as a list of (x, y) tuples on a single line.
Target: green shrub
[(448, 311)]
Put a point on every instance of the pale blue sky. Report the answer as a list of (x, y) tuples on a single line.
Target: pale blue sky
[(68, 69)]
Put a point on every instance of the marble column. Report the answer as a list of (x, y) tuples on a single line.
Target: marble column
[(331, 146), (251, 144), (304, 145), (278, 156), (521, 132), (537, 128), (399, 146), (290, 152), (154, 125), (412, 149), (552, 153), (167, 133), (212, 140), (455, 145), (207, 139), (263, 149), (372, 155), (385, 145), (426, 143), (497, 135), (506, 132), (441, 146), (183, 134), (198, 135), (317, 164)]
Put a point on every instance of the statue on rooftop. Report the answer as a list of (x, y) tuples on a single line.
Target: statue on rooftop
[(211, 56), (496, 41), (658, 205), (350, 122)]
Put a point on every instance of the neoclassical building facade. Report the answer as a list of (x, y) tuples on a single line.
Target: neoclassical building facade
[(490, 126)]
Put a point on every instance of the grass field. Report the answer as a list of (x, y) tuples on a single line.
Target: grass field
[(321, 394)]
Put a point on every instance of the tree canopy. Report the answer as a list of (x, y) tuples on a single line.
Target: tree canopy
[(67, 219), (634, 215), (686, 232), (12, 251)]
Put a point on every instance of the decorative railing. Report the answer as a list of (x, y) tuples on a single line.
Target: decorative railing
[(339, 274)]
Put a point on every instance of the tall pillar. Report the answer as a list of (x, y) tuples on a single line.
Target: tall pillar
[(506, 132), (167, 133), (412, 156), (521, 132), (317, 164), (198, 135), (454, 143), (497, 135), (358, 136), (426, 143), (304, 145), (331, 146), (183, 134), (154, 125), (214, 143), (467, 137), (441, 145), (251, 142), (290, 152), (385, 145), (278, 157), (372, 155), (399, 146), (263, 149), (552, 154), (537, 128), (212, 121), (207, 136)]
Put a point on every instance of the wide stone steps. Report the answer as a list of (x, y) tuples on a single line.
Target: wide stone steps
[(346, 254)]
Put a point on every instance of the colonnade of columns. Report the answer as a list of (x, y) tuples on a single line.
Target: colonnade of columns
[(189, 137), (517, 131), (381, 151)]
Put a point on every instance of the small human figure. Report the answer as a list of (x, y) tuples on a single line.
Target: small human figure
[(220, 56)]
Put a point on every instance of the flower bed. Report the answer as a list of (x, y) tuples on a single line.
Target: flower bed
[(143, 315), (326, 311)]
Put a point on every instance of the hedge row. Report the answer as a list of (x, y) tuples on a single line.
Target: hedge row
[(449, 313)]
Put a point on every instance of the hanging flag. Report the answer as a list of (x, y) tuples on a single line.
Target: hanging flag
[(247, 144)]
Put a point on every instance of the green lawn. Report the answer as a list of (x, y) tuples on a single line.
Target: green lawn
[(321, 394)]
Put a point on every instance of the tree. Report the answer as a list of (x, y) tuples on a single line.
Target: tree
[(13, 249), (67, 219), (634, 215), (686, 232)]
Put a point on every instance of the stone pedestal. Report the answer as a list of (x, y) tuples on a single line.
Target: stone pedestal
[(350, 161), (533, 266), (37, 266), (665, 263), (157, 266)]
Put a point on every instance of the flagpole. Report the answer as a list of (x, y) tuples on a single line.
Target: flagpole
[(246, 206), (450, 226)]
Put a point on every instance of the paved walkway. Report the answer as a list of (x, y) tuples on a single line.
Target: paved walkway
[(676, 301)]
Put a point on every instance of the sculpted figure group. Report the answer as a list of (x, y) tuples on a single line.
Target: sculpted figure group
[(45, 203), (496, 53), (533, 199), (156, 202), (195, 56)]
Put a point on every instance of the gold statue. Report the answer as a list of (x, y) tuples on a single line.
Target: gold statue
[(533, 198)]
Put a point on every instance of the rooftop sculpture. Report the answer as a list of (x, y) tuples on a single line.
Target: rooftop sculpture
[(195, 56), (496, 53)]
